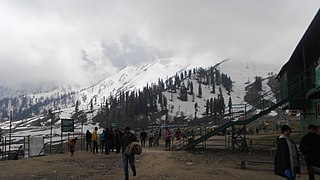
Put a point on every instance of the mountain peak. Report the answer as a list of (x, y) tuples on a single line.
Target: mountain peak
[(132, 78)]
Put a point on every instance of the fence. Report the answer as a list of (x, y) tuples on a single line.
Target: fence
[(14, 147)]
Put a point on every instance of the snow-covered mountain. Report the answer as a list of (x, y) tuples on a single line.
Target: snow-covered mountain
[(131, 78), (136, 77)]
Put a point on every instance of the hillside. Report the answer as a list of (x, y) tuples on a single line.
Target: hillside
[(134, 78)]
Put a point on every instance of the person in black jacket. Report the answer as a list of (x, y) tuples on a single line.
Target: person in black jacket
[(143, 137), (88, 140), (286, 161), (310, 147), (128, 138), (117, 140)]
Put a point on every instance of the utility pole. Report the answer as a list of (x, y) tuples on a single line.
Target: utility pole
[(61, 130), (51, 116), (10, 130), (82, 131)]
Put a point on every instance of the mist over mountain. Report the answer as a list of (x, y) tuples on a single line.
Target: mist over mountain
[(31, 111), (34, 101)]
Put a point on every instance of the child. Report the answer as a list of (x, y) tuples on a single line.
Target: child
[(72, 144)]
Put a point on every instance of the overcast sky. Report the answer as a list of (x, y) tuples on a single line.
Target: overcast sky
[(83, 40)]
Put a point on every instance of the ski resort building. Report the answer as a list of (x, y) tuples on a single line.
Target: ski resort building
[(301, 74)]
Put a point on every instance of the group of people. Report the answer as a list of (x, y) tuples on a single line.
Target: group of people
[(127, 142), (286, 162), (109, 140), (154, 136)]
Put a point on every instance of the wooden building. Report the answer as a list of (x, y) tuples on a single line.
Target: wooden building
[(301, 74)]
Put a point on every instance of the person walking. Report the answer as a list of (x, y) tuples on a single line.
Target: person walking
[(151, 137), (167, 136), (72, 144), (88, 140), (310, 147), (286, 161), (127, 139), (94, 140), (143, 137), (156, 139), (178, 134)]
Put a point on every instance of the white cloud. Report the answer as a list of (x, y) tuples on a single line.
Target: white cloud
[(57, 40)]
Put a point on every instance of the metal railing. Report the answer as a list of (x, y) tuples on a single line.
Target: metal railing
[(242, 114)]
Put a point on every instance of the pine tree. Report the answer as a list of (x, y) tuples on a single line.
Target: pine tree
[(191, 88), (230, 105), (213, 87), (221, 105), (161, 100), (181, 76), (258, 84), (77, 106), (199, 91), (215, 107), (183, 93), (165, 103), (218, 77)]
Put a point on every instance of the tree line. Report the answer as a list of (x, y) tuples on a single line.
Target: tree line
[(134, 108)]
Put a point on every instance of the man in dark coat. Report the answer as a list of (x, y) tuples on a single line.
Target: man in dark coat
[(143, 137), (88, 140), (310, 147), (112, 136), (286, 161), (127, 139), (117, 140)]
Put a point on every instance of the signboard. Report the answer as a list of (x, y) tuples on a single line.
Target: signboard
[(67, 125), (113, 124)]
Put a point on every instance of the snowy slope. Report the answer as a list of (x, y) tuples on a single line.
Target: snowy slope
[(131, 78), (136, 77), (243, 74)]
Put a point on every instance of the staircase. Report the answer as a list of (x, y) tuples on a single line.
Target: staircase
[(243, 114)]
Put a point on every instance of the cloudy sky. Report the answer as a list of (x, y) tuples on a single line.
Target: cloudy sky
[(80, 41)]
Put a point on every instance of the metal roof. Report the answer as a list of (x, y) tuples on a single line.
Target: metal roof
[(310, 37)]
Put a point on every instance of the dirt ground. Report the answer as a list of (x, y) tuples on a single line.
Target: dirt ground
[(154, 163)]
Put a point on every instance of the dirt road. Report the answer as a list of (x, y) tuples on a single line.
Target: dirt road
[(153, 163)]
